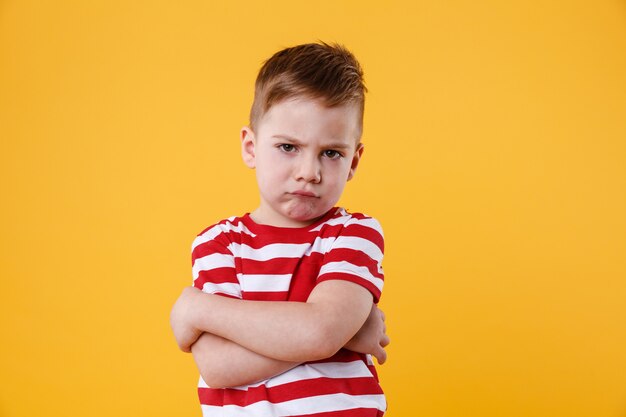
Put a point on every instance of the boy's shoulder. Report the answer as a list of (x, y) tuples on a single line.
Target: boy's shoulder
[(342, 227), (348, 219), (224, 229), (233, 223)]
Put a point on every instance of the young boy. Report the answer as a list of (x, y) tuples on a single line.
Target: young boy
[(257, 354)]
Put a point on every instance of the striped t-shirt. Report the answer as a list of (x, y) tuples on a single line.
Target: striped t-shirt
[(242, 259)]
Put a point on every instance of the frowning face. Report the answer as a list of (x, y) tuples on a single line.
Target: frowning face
[(303, 153)]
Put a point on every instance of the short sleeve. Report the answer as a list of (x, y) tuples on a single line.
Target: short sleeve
[(356, 255), (213, 264)]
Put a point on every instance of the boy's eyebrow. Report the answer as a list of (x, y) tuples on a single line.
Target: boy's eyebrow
[(333, 145), (286, 137)]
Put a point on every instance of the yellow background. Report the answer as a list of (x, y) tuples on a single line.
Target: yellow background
[(495, 159)]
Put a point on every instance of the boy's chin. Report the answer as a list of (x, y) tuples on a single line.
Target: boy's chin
[(304, 213), (298, 218)]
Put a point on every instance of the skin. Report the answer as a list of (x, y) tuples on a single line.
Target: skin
[(301, 146), (303, 153)]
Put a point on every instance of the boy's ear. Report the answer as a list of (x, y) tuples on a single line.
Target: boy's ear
[(248, 142), (355, 160)]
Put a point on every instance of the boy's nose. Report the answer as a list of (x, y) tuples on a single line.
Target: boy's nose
[(308, 169)]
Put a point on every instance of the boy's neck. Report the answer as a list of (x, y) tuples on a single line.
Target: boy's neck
[(260, 217)]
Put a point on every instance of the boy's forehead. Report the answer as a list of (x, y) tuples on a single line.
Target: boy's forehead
[(297, 118)]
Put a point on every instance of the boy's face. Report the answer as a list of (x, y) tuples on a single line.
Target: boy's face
[(303, 153)]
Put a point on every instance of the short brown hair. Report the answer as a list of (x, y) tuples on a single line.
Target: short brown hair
[(312, 70)]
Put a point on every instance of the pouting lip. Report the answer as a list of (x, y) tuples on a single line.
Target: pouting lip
[(303, 193)]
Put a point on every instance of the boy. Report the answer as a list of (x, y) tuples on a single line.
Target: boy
[(258, 355)]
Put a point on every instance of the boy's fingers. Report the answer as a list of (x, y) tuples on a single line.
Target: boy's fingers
[(381, 356), (385, 340)]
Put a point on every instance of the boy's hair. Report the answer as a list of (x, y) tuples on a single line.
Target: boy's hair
[(314, 70)]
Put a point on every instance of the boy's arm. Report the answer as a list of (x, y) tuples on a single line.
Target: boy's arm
[(287, 331), (223, 363), (372, 336)]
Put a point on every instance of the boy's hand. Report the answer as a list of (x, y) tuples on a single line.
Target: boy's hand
[(371, 338), (181, 319)]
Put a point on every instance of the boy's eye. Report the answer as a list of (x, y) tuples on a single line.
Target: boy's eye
[(287, 147), (332, 154)]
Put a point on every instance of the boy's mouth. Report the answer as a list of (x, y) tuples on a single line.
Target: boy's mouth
[(304, 193)]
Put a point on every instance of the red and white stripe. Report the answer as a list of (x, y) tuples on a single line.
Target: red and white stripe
[(241, 259)]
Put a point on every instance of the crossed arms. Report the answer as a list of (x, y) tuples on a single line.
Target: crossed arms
[(236, 342)]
